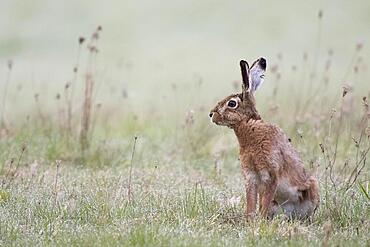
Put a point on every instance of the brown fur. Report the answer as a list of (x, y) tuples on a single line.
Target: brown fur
[(271, 166)]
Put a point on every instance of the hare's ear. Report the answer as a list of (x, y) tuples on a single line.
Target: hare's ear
[(245, 75), (257, 73)]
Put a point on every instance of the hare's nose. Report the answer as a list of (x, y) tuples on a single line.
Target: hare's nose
[(211, 114)]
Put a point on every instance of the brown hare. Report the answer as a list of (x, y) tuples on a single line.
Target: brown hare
[(271, 166)]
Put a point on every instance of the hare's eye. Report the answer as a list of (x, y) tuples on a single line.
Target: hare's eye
[(232, 104)]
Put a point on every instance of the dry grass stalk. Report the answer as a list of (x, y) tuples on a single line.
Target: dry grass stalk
[(361, 153), (86, 112), (328, 229), (12, 172), (40, 114), (3, 124), (70, 87), (58, 163), (88, 92), (129, 191)]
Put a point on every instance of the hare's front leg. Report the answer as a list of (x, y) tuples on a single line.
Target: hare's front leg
[(269, 185), (251, 192)]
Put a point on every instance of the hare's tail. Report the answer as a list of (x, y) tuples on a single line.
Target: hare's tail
[(313, 191)]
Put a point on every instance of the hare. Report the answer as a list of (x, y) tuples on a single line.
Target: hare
[(271, 166)]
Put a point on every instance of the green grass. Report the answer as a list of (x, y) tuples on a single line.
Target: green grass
[(170, 206), (178, 196)]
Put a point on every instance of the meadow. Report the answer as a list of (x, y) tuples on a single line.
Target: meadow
[(105, 139)]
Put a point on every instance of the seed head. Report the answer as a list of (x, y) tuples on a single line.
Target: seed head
[(81, 40), (92, 49), (322, 148), (58, 162), (320, 14), (355, 69), (346, 89), (366, 106), (305, 56), (364, 101), (359, 46), (274, 68), (357, 144), (95, 35), (10, 64)]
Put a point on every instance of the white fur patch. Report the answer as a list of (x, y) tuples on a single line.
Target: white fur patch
[(251, 177)]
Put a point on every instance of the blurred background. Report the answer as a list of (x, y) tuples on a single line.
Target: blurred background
[(145, 47)]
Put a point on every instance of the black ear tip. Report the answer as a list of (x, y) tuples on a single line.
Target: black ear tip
[(244, 64), (262, 62)]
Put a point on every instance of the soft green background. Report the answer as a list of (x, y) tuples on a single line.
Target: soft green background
[(147, 45)]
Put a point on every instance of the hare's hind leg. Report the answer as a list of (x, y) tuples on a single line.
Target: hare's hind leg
[(274, 210), (307, 204)]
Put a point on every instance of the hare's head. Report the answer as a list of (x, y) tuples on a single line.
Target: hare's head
[(239, 107)]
